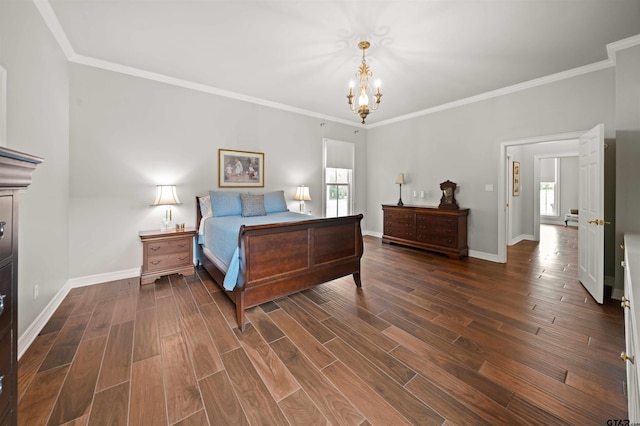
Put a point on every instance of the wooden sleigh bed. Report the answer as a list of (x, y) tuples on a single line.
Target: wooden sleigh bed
[(284, 258)]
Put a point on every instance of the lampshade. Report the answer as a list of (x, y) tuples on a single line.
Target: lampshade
[(400, 179), (166, 195), (302, 194)]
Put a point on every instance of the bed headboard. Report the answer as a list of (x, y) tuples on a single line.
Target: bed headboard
[(198, 213)]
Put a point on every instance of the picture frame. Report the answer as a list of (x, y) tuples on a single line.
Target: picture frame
[(240, 169), (516, 179)]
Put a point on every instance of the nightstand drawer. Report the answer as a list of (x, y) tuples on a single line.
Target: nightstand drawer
[(158, 263), (158, 248)]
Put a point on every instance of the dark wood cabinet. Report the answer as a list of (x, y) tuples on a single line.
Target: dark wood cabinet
[(440, 230), (15, 173)]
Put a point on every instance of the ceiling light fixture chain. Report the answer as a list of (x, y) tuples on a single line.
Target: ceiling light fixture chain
[(364, 73)]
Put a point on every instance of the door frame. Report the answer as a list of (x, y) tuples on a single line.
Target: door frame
[(503, 174)]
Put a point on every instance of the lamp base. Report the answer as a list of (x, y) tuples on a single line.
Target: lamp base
[(400, 203)]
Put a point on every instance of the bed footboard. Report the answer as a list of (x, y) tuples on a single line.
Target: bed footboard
[(285, 258)]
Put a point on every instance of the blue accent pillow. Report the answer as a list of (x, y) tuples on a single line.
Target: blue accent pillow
[(252, 205), (274, 202), (225, 203)]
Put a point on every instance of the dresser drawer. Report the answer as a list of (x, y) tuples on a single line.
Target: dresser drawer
[(399, 216), (6, 297), (6, 365), (400, 230), (6, 226)]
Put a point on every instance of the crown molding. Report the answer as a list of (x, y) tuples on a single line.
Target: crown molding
[(612, 49), (51, 20)]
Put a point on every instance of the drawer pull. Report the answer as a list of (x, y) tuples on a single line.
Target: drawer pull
[(625, 357), (2, 296), (2, 224), (155, 248), (184, 258), (155, 262), (1, 380)]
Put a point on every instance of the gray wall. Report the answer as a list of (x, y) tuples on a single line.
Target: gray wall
[(129, 134), (463, 145), (627, 147), (38, 123)]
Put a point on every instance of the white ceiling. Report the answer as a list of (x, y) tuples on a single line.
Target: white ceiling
[(301, 54)]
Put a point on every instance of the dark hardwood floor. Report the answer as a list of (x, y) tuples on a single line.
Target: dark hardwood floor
[(427, 340)]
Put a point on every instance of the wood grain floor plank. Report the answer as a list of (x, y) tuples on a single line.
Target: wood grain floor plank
[(253, 394), (117, 356), (264, 325), (311, 324), (372, 405), (111, 406), (377, 356), (31, 360), (464, 393), (66, 344), (272, 371), (146, 337), (100, 321), (146, 298), (220, 401), (403, 401), (180, 386), (169, 320), (223, 337), (300, 410), (77, 391), (198, 290), (184, 300), (307, 344), (206, 359), (147, 405), (198, 418), (37, 401), (327, 398)]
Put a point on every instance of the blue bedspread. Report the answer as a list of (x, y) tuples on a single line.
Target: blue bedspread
[(220, 235)]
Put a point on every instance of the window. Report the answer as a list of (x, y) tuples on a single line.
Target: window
[(338, 178), (548, 186), (338, 187)]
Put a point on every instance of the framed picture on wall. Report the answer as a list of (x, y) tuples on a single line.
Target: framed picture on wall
[(516, 178), (240, 169)]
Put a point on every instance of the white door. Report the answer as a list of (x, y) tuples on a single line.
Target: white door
[(591, 218)]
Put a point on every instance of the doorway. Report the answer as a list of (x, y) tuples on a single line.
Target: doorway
[(514, 205)]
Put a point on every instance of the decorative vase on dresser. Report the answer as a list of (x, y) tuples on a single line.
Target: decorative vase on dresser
[(429, 228), (15, 174)]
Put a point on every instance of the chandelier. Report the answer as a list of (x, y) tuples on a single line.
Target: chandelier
[(361, 106)]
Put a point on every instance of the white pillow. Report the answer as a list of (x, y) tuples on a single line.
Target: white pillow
[(205, 206)]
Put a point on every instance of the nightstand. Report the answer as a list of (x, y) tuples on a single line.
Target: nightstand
[(166, 252)]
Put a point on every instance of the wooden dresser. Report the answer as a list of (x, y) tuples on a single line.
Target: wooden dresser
[(15, 174), (430, 228)]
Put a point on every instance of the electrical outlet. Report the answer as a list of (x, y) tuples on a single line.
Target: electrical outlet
[(35, 292)]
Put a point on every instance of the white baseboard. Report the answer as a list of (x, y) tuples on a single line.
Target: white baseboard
[(104, 278), (373, 234), (484, 256), (27, 338), (522, 237)]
